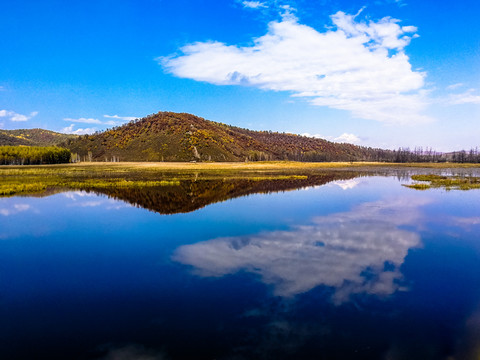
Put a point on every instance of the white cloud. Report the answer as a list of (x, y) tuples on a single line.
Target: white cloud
[(13, 116), (318, 136), (455, 86), (348, 138), (254, 4), (124, 118), (90, 204), (69, 130), (84, 120), (73, 195), (468, 97), (335, 251), (15, 209), (346, 184), (344, 138), (358, 66), (100, 122)]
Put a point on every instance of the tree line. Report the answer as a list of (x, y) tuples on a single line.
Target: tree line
[(33, 155), (403, 155)]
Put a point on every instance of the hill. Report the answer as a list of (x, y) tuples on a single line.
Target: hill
[(168, 136), (33, 137)]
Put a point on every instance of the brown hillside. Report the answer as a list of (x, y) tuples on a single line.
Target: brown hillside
[(168, 136), (33, 137)]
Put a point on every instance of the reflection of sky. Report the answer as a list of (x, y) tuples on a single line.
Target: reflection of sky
[(98, 275), (347, 184), (14, 209), (83, 199), (40, 216), (354, 252)]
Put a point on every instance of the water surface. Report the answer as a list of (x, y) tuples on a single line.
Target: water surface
[(344, 266)]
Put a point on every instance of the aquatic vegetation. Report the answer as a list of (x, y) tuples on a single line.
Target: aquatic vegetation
[(92, 176), (445, 182), (36, 179), (11, 189), (419, 186), (115, 183)]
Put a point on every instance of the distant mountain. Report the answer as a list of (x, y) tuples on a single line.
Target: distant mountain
[(168, 136), (33, 137)]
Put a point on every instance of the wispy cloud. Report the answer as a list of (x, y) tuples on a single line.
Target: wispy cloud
[(84, 131), (84, 120), (123, 118), (13, 116), (346, 184), (348, 138), (468, 97), (254, 4), (119, 120), (357, 66), (15, 209), (92, 121), (344, 138), (455, 86)]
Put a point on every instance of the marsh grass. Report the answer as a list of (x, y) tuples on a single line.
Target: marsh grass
[(12, 189), (445, 182), (36, 179), (419, 186), (39, 178)]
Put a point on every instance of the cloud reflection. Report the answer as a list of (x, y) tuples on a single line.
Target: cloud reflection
[(15, 209), (84, 199), (134, 352), (359, 251), (347, 184)]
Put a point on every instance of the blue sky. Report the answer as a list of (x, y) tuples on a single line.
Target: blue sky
[(380, 73)]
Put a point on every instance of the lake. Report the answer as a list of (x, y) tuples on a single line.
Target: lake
[(339, 266)]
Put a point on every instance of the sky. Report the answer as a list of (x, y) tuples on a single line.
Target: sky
[(379, 73)]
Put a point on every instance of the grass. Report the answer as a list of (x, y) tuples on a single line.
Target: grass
[(11, 189), (38, 178), (445, 182), (91, 176)]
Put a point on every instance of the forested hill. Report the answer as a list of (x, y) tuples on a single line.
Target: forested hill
[(33, 137), (168, 136)]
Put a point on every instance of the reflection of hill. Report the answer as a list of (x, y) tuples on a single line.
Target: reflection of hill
[(193, 195)]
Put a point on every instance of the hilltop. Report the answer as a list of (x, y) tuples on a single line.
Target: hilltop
[(168, 136), (33, 137)]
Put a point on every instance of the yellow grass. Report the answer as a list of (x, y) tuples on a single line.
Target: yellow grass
[(267, 165), (34, 178)]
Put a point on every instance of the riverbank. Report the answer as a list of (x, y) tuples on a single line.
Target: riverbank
[(95, 175)]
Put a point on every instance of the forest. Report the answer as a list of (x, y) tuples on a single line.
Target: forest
[(168, 136), (181, 137), (33, 155)]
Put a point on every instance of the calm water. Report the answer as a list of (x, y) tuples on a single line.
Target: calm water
[(352, 268)]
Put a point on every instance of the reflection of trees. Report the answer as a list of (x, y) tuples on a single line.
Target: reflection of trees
[(359, 251), (192, 195)]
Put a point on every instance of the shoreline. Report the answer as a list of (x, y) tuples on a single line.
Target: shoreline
[(260, 165)]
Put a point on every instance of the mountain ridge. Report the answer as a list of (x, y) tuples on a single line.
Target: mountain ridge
[(169, 136), (33, 137)]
